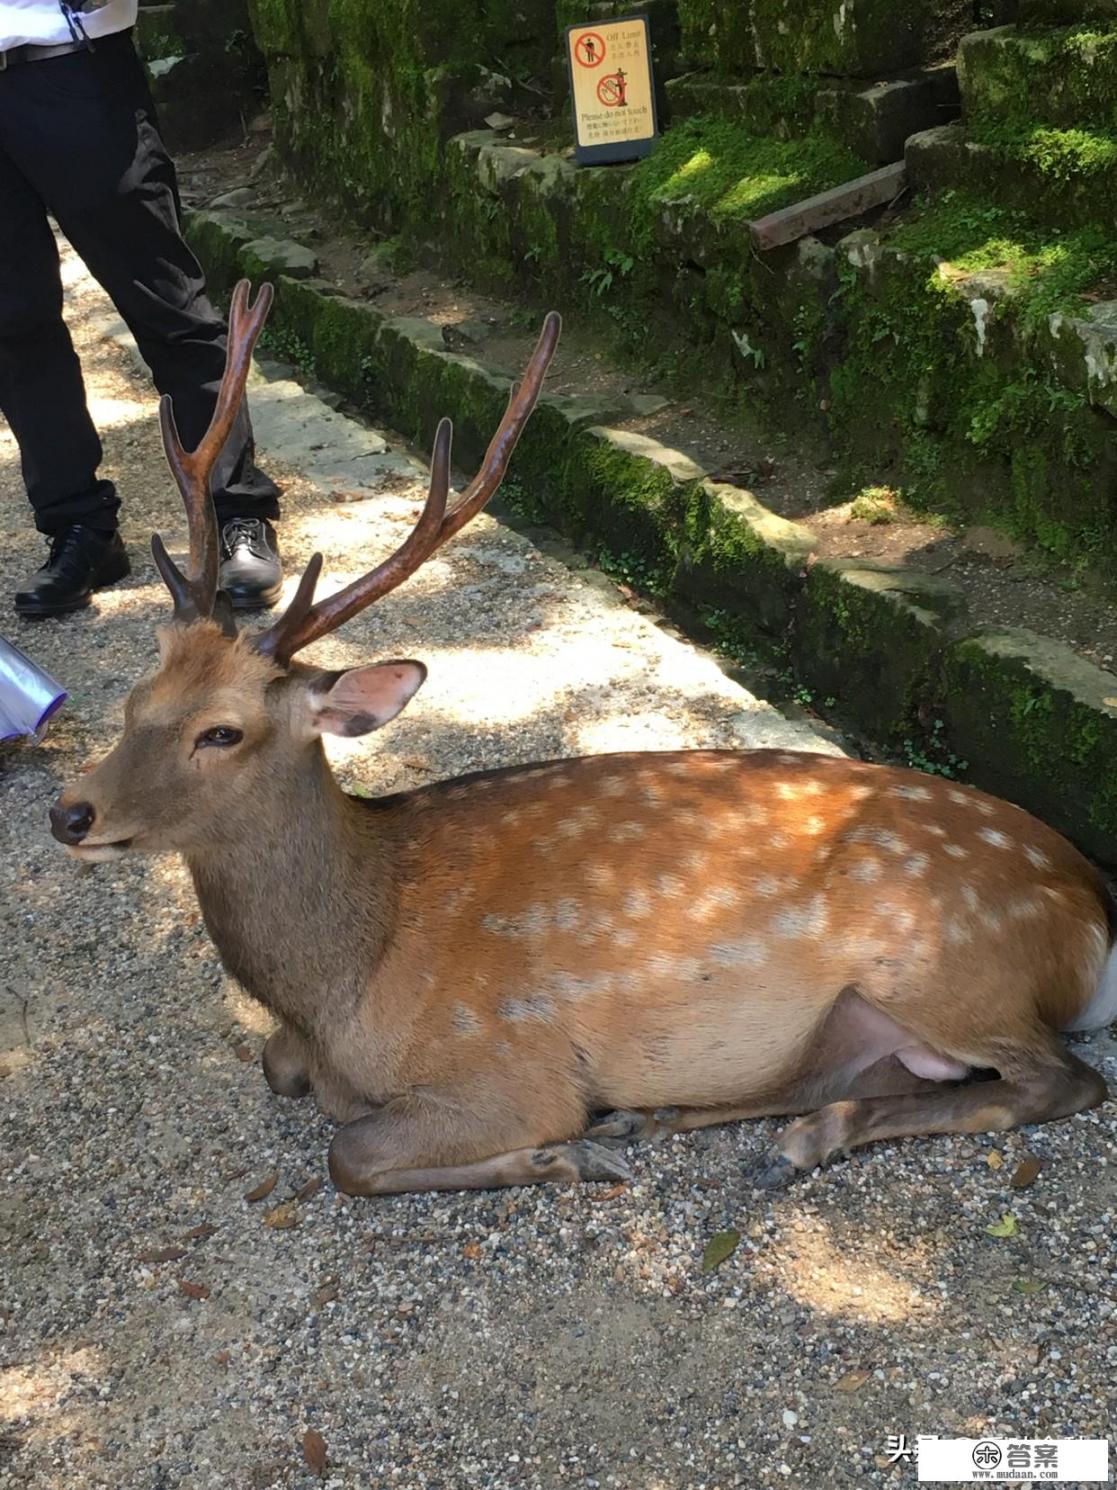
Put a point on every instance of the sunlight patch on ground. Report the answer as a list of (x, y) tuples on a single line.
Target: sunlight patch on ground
[(841, 1277)]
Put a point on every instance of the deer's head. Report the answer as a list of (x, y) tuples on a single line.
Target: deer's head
[(229, 717)]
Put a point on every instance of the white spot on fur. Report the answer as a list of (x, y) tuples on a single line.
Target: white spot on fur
[(612, 786), (532, 1006), (996, 838), (637, 905), (881, 837), (814, 826), (802, 920), (696, 861), (569, 828), (464, 1020), (668, 965), (670, 885), (935, 829), (916, 866), (767, 885), (708, 904), (911, 793), (530, 922), (513, 816), (957, 931), (601, 876), (748, 952), (624, 937), (867, 871), (568, 915), (956, 851), (626, 832), (970, 896), (787, 760), (1036, 857), (779, 841)]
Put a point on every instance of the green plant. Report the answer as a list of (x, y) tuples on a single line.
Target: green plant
[(616, 265)]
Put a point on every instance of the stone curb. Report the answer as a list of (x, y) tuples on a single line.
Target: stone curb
[(890, 652)]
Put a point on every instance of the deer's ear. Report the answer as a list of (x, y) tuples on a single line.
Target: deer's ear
[(362, 699)]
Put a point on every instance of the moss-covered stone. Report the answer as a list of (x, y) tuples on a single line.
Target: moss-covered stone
[(1038, 725), (1058, 176), (868, 637), (859, 38), (1063, 78)]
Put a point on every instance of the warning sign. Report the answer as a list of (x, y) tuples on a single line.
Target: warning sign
[(589, 50), (614, 105)]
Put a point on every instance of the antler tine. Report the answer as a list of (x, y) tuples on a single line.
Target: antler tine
[(520, 404), (290, 634), (302, 623), (194, 593)]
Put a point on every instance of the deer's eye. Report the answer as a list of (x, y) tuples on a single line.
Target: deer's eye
[(221, 734)]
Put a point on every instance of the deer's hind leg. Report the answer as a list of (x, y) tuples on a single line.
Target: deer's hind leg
[(434, 1144), (1051, 1083)]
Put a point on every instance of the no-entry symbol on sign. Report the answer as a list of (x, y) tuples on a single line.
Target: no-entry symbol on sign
[(611, 89), (589, 50)]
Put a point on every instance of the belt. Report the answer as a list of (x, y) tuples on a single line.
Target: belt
[(29, 52)]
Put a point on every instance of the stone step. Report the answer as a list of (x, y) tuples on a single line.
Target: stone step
[(1065, 77), (1067, 178), (861, 39), (872, 121)]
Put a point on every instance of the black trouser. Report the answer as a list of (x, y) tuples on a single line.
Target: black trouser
[(79, 139)]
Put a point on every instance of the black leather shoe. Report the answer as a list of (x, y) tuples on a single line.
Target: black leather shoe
[(81, 561), (251, 573)]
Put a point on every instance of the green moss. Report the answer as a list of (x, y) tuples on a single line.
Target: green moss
[(1064, 78), (1033, 716), (722, 170), (861, 38)]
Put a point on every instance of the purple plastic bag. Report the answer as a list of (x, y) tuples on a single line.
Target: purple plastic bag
[(28, 696)]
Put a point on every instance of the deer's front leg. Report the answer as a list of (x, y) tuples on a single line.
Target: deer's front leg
[(401, 1148), (286, 1063)]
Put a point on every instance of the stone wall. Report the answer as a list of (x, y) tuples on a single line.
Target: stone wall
[(982, 315)]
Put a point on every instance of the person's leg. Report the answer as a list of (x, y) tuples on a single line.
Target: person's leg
[(41, 391), (43, 399), (91, 145)]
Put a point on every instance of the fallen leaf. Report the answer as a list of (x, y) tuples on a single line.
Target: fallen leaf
[(243, 1052), (995, 1159), (222, 1358), (1026, 1172), (852, 1381), (1029, 1285), (283, 1216), (610, 1194), (472, 1250), (263, 1189), (162, 1254), (314, 1450), (720, 1246), (324, 1295), (196, 1233), (309, 1190), (194, 1290), (359, 790), (1006, 1226)]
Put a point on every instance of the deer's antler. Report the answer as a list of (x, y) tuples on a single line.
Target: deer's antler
[(304, 622), (195, 593)]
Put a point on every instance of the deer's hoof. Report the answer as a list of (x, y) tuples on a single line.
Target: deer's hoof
[(772, 1171), (284, 1069), (596, 1163)]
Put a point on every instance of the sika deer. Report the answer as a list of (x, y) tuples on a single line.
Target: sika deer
[(470, 976)]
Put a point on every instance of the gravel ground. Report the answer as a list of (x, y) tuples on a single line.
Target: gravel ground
[(160, 1328)]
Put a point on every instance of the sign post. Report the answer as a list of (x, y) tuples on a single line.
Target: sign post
[(611, 84)]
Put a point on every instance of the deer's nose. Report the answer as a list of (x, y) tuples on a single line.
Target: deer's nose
[(71, 822)]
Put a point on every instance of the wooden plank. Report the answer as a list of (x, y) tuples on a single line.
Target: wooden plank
[(830, 206)]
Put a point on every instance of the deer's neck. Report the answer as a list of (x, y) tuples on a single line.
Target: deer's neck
[(298, 896)]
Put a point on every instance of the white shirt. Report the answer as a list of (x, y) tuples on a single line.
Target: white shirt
[(42, 22)]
